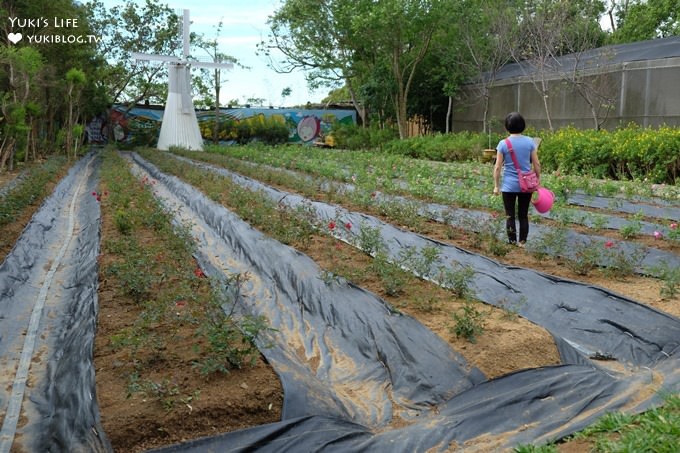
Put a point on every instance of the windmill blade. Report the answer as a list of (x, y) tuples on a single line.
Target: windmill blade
[(186, 23), (153, 57), (206, 64)]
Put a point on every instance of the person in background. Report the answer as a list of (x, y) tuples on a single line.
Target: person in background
[(515, 202)]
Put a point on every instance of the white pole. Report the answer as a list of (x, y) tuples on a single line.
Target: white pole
[(186, 35)]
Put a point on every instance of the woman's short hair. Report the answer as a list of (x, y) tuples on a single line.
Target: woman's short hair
[(514, 123)]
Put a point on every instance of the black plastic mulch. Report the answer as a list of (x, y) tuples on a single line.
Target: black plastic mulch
[(349, 363)]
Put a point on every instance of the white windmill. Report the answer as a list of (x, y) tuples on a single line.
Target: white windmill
[(180, 126)]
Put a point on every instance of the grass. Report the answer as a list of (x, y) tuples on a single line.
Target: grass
[(31, 189), (465, 184), (656, 430), (29, 193)]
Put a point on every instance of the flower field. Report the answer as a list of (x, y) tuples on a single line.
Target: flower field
[(194, 337)]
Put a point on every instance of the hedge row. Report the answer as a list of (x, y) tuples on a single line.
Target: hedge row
[(628, 153), (443, 147), (350, 136), (632, 152)]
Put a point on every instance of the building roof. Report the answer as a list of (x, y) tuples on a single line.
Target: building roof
[(601, 57)]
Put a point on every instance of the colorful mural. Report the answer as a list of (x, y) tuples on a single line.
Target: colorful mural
[(304, 125)]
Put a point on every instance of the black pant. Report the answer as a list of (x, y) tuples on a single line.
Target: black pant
[(523, 200)]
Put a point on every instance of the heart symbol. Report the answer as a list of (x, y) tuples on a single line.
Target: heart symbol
[(14, 37)]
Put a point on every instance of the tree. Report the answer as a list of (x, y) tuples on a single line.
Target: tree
[(483, 33), (31, 89), (255, 101), (400, 33), (320, 37), (546, 29), (151, 28), (373, 49), (337, 95), (212, 79), (24, 64), (540, 43), (642, 20), (285, 93), (594, 88), (611, 8), (75, 79), (585, 80), (438, 79)]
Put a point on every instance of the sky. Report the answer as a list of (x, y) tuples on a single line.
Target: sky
[(244, 26)]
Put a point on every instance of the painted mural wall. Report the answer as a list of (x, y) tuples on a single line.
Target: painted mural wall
[(304, 125)]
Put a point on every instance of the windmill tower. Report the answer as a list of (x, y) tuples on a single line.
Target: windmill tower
[(180, 126)]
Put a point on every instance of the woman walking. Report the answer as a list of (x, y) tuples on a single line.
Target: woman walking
[(515, 202)]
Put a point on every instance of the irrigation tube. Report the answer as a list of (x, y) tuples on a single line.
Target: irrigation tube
[(350, 365)]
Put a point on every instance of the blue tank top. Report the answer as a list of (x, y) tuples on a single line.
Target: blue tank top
[(523, 146)]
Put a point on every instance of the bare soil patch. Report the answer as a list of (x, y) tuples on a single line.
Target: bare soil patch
[(184, 404)]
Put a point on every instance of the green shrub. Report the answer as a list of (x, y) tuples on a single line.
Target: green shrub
[(271, 131), (630, 152), (244, 132), (351, 136), (268, 130), (468, 321), (123, 222), (142, 133), (441, 147)]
